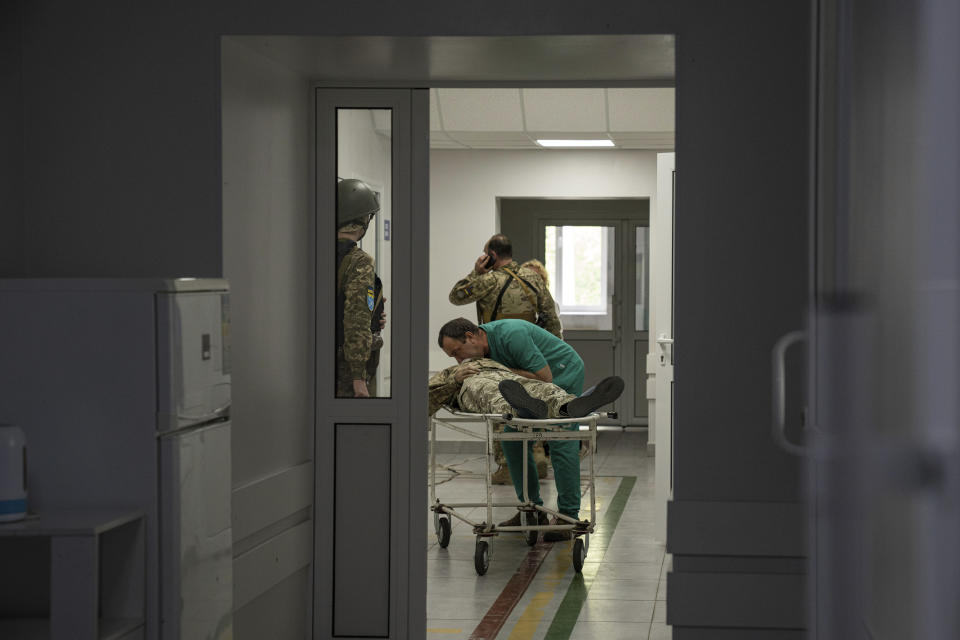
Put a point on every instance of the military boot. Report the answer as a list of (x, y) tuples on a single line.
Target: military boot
[(541, 460), (501, 475)]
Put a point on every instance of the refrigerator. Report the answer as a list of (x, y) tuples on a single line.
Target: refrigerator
[(122, 387)]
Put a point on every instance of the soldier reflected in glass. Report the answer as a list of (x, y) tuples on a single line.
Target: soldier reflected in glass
[(360, 301)]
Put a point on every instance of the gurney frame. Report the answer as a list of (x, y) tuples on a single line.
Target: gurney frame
[(527, 431)]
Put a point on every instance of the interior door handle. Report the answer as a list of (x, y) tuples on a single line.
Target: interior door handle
[(780, 391), (666, 348)]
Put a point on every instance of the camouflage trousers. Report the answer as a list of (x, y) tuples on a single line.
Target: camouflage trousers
[(480, 394), (345, 377)]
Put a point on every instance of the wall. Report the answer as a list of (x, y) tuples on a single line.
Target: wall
[(267, 223), (121, 141), (11, 142), (464, 186)]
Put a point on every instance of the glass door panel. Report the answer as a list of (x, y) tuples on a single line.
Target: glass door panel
[(364, 154), (642, 301)]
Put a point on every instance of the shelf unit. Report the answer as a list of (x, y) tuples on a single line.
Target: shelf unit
[(80, 575)]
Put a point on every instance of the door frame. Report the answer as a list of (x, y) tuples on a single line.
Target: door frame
[(409, 621), (410, 194)]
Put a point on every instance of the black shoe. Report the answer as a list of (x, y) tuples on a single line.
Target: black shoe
[(526, 406), (604, 392), (515, 521), (512, 522), (557, 536)]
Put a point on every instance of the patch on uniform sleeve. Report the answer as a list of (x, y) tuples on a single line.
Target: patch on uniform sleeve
[(370, 298)]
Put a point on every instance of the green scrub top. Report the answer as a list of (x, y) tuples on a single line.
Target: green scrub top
[(519, 344)]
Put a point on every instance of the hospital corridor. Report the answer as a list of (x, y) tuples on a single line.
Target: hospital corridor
[(533, 593)]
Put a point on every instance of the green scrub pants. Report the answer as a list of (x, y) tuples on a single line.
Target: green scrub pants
[(564, 455)]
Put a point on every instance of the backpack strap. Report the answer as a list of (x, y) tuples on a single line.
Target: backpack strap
[(496, 307), (532, 293)]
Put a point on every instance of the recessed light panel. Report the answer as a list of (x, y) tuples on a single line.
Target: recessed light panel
[(575, 143)]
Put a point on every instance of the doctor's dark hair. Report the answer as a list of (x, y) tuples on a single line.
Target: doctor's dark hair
[(500, 245), (457, 330)]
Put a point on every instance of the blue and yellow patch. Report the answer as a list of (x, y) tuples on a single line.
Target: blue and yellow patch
[(370, 298)]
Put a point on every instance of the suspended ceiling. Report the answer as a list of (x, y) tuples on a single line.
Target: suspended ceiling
[(515, 118)]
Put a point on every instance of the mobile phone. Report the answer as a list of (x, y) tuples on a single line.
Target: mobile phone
[(491, 259)]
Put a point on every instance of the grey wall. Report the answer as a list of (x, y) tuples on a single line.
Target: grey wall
[(121, 126), (266, 230), (11, 142)]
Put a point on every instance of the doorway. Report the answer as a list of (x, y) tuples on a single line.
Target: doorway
[(597, 254), (725, 458)]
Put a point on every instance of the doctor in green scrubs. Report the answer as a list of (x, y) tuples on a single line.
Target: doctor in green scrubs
[(535, 353)]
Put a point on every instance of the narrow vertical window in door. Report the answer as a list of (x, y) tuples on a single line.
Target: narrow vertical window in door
[(362, 250), (643, 279)]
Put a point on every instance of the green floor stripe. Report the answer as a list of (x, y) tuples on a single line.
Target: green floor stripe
[(563, 622)]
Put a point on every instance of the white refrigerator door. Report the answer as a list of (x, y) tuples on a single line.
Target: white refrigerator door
[(193, 358), (196, 540)]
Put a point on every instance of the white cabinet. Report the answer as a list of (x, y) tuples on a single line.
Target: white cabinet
[(76, 575)]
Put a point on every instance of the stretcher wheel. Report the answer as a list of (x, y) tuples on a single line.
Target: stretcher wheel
[(579, 554), (481, 557), (443, 532), (530, 517)]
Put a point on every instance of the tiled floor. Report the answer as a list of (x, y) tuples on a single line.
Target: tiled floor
[(622, 590)]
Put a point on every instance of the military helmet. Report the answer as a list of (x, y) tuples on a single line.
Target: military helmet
[(355, 201)]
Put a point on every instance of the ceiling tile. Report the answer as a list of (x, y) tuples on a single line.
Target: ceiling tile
[(565, 110), (641, 109), (644, 140), (493, 139), (440, 140), (480, 109)]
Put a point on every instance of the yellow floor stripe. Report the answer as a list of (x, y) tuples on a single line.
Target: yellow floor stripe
[(444, 630), (533, 613), (554, 579)]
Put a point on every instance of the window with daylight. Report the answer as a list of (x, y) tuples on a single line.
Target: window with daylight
[(580, 260)]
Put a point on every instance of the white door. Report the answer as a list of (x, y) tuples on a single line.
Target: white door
[(660, 354)]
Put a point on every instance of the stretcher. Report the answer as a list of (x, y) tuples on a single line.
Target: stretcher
[(526, 432)]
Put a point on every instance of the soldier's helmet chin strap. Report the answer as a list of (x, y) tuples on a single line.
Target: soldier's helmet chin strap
[(362, 221)]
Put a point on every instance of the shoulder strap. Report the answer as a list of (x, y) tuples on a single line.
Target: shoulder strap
[(532, 293), (496, 307), (344, 247)]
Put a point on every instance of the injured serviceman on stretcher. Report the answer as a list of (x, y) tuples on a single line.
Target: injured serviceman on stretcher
[(489, 387)]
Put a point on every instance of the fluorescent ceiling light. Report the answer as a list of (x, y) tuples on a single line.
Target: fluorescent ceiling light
[(576, 143)]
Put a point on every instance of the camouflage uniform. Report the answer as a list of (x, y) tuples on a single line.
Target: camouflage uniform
[(479, 393), (358, 357), (517, 302)]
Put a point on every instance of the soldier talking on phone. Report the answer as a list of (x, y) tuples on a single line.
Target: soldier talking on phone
[(503, 289)]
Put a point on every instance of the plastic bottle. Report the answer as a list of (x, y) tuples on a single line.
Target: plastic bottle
[(13, 473)]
